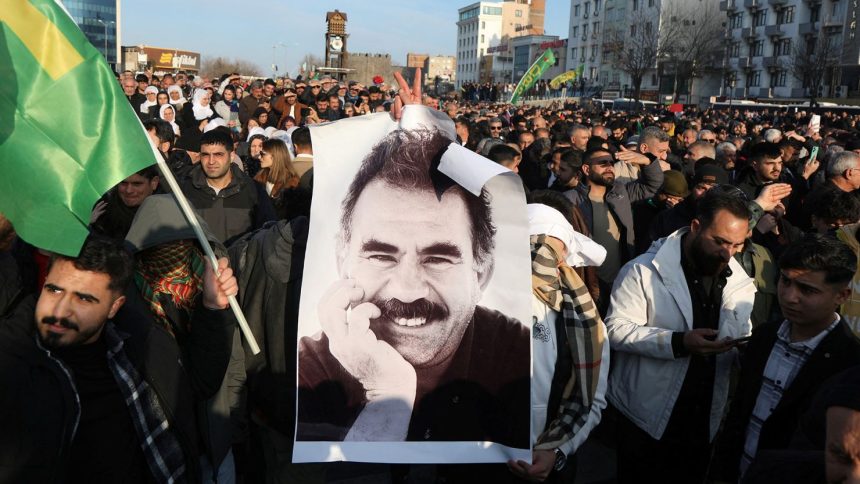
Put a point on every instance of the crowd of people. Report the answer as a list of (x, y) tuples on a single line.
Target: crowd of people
[(696, 293)]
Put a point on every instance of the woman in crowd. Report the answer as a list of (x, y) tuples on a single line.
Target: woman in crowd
[(168, 113), (193, 119), (228, 107), (176, 98), (277, 175)]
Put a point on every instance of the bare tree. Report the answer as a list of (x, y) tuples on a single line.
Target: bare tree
[(691, 40), (308, 64), (634, 51), (216, 66), (810, 62)]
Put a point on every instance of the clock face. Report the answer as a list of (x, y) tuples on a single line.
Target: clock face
[(336, 43)]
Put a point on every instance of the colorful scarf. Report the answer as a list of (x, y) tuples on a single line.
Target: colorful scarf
[(558, 285), (171, 272)]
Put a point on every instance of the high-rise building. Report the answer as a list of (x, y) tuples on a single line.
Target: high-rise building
[(763, 39), (100, 22), (485, 26)]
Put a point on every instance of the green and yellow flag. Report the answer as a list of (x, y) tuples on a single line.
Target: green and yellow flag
[(67, 132), (566, 76), (537, 69)]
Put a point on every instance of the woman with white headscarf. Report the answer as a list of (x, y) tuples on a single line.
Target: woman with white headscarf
[(193, 120), (151, 94), (168, 113), (176, 98)]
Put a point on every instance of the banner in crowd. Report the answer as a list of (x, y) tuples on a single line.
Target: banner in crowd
[(67, 132), (544, 62), (412, 344), (565, 77)]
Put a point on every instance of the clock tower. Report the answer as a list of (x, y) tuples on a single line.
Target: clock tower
[(335, 42)]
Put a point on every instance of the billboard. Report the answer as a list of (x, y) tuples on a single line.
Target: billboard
[(171, 59)]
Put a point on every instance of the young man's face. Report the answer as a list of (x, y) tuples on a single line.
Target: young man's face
[(417, 265), (215, 160), (134, 189), (74, 305), (806, 299), (768, 169)]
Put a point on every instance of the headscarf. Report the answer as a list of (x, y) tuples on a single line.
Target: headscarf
[(181, 101), (256, 130), (170, 277), (172, 123), (581, 250), (215, 123), (201, 112), (144, 107)]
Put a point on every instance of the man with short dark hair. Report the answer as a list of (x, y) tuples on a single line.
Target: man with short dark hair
[(675, 311), (227, 199), (506, 156), (304, 159), (249, 104), (93, 390), (413, 278), (115, 211), (786, 361), (765, 167)]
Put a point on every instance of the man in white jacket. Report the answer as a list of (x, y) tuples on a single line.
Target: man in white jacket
[(570, 355), (675, 315)]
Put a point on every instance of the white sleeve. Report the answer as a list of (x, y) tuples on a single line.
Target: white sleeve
[(597, 406)]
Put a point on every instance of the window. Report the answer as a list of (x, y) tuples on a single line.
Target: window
[(735, 49), (518, 13), (837, 9), (785, 15), (651, 4), (573, 52), (584, 30), (595, 28), (760, 18), (757, 48), (736, 21), (814, 13), (483, 25), (633, 30), (781, 78), (782, 47), (576, 10), (635, 5), (482, 38), (754, 79), (587, 7), (574, 31), (648, 28), (596, 6), (594, 51)]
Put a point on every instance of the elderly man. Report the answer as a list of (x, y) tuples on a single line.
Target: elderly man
[(406, 352), (249, 104)]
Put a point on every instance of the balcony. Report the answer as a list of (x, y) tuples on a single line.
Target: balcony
[(749, 32), (729, 34), (777, 3), (808, 28), (771, 62), (774, 31), (728, 5), (743, 62), (834, 23), (752, 3)]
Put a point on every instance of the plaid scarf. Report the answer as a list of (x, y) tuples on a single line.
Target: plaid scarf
[(162, 450), (565, 292), (171, 272)]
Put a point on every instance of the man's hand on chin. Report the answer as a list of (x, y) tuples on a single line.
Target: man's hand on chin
[(389, 381)]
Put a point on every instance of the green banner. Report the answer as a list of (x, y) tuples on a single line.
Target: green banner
[(566, 76), (544, 62), (67, 132)]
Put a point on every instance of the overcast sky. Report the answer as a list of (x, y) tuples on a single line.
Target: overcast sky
[(239, 28)]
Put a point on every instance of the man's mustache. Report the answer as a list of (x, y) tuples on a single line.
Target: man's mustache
[(394, 309), (63, 322)]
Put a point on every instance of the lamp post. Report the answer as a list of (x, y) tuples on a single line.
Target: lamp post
[(105, 25)]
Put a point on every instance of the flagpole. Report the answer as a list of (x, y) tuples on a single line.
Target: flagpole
[(204, 243)]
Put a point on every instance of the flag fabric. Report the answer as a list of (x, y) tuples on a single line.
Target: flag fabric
[(534, 73), (67, 132), (565, 76)]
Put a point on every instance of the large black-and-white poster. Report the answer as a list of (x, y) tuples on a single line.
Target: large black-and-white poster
[(416, 288)]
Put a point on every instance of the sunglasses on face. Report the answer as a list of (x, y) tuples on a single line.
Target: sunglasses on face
[(496, 128)]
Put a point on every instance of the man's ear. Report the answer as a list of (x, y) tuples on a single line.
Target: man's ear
[(153, 184), (843, 295), (695, 225), (585, 168), (115, 306), (485, 273)]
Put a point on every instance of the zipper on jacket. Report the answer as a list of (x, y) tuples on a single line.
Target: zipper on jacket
[(66, 442)]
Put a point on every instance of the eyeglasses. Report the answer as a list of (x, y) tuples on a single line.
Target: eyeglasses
[(496, 128), (315, 87), (711, 140)]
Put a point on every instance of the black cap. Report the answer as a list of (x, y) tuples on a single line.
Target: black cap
[(707, 173)]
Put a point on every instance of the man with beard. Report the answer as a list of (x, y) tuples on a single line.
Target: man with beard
[(674, 315), (406, 353), (606, 206)]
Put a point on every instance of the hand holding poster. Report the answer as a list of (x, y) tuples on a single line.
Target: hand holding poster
[(414, 346)]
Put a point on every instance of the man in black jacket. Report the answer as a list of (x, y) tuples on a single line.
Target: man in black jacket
[(230, 202), (786, 362), (90, 395)]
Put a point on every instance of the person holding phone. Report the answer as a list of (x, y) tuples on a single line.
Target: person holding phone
[(673, 315)]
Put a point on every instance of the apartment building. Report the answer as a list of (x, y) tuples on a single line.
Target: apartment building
[(763, 38)]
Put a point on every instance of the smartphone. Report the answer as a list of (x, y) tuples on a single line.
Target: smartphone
[(740, 341), (815, 123), (812, 155)]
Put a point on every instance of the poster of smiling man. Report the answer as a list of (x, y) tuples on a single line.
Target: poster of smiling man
[(412, 343)]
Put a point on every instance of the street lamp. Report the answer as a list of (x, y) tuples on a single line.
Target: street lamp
[(105, 25), (274, 64)]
